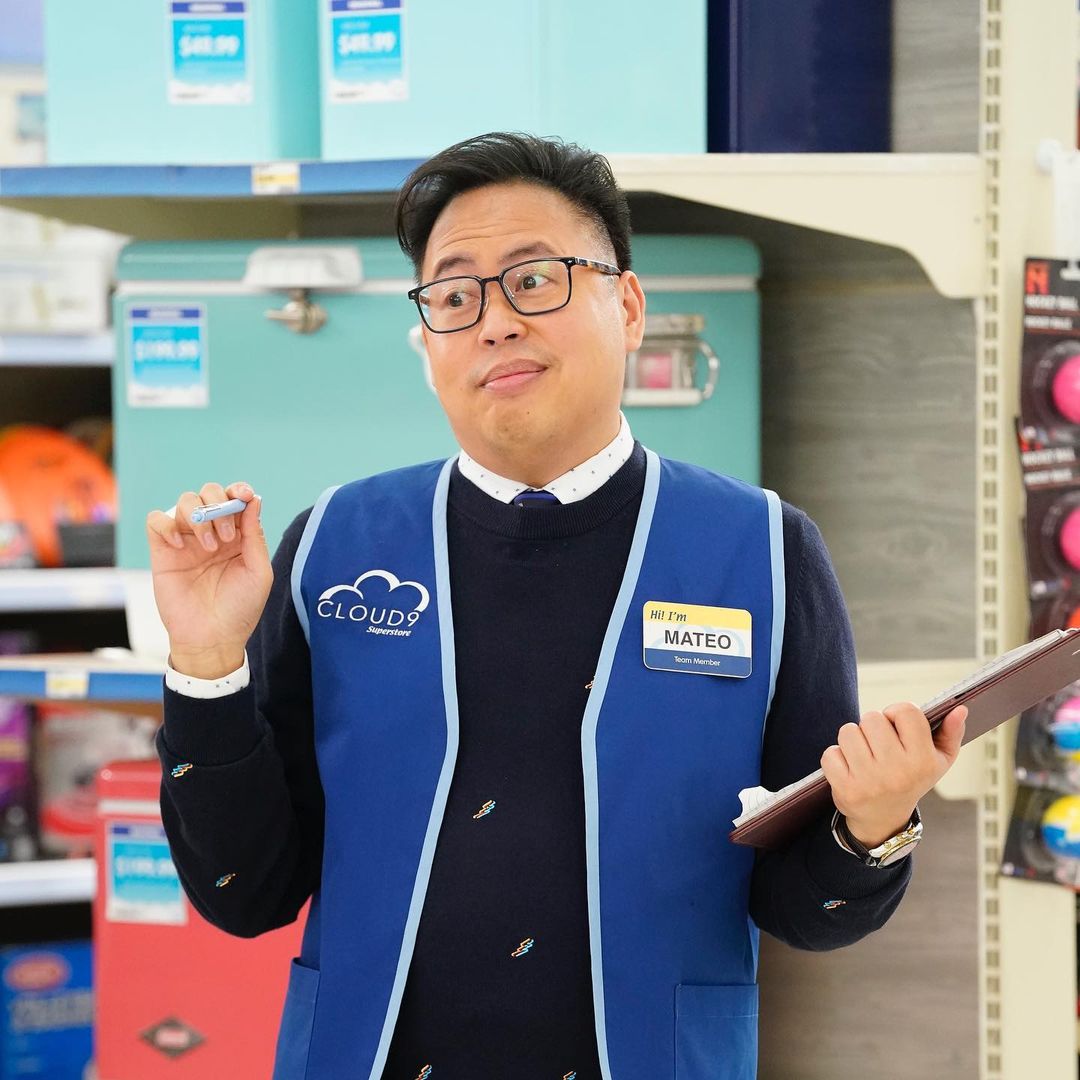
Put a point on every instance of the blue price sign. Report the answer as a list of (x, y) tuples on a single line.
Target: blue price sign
[(366, 57), (209, 50), (166, 355), (142, 883)]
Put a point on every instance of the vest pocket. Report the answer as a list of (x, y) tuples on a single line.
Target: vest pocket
[(294, 1035), (716, 1032)]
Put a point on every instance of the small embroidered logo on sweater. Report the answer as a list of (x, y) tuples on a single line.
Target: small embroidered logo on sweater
[(485, 810), (223, 880), (830, 905), (524, 947), (181, 769)]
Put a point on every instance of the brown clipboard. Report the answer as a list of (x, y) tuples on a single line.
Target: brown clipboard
[(1001, 689)]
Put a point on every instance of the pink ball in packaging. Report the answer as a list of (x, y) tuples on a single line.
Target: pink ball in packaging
[(1065, 389), (1069, 538)]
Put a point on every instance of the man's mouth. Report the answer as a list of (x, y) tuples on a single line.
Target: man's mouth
[(512, 374)]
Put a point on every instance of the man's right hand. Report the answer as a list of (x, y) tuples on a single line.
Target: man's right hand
[(211, 581)]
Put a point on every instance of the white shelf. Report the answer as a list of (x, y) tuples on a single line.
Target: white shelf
[(77, 589), (57, 350), (926, 204), (883, 684), (51, 881)]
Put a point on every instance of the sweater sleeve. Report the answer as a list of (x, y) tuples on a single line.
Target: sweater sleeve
[(241, 800), (812, 894)]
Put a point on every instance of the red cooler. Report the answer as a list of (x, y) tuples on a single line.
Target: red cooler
[(175, 996)]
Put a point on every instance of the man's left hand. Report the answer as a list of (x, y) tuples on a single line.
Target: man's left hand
[(882, 766)]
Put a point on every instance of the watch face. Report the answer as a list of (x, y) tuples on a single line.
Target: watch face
[(899, 853)]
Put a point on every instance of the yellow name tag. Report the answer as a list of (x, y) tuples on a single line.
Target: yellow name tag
[(699, 639)]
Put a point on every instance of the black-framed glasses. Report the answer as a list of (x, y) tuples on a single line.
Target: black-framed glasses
[(534, 287)]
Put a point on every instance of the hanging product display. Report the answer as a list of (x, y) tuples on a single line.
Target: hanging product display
[(1043, 841)]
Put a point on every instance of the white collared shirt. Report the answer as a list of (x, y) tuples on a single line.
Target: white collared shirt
[(575, 484)]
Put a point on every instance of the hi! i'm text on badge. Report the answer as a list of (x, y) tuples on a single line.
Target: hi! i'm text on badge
[(697, 639)]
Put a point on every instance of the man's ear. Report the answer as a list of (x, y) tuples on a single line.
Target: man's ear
[(633, 304)]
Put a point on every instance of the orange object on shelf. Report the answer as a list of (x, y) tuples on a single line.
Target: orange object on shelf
[(48, 479)]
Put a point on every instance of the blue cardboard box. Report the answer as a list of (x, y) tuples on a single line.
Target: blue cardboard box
[(47, 1020)]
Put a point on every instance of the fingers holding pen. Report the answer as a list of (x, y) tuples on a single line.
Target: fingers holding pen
[(211, 533)]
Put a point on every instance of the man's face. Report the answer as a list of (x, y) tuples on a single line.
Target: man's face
[(516, 386)]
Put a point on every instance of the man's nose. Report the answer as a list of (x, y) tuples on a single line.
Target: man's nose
[(501, 321)]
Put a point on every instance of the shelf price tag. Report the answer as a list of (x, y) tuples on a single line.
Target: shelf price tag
[(166, 355), (275, 178), (208, 48), (367, 62), (70, 684)]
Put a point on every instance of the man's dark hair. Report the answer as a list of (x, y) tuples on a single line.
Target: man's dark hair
[(579, 175)]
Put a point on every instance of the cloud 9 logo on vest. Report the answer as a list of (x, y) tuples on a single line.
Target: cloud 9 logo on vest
[(379, 614)]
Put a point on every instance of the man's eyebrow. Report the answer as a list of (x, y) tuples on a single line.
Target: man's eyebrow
[(457, 262)]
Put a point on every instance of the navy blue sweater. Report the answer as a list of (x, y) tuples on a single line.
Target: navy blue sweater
[(468, 1007)]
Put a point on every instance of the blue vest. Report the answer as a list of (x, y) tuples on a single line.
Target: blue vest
[(664, 755)]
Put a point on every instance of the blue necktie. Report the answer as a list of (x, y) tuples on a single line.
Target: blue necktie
[(531, 497)]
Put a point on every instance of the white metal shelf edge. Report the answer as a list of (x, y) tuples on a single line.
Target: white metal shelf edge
[(86, 589), (930, 205), (57, 350), (49, 881)]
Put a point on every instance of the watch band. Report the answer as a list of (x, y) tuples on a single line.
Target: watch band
[(885, 854)]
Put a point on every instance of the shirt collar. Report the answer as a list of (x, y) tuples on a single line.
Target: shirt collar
[(575, 484)]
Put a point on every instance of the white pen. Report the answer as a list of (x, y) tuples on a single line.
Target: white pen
[(216, 510)]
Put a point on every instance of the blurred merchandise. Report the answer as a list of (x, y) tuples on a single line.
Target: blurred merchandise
[(22, 83), (18, 825), (46, 1011), (72, 741), (16, 549), (54, 292), (95, 433), (183, 82), (218, 1011), (535, 67), (1043, 842), (47, 480), (787, 76), (1048, 743)]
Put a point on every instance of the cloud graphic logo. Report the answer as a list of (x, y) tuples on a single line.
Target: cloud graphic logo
[(381, 617), (390, 579)]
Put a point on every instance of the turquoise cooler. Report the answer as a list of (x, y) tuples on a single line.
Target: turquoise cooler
[(181, 81), (222, 376), (405, 78)]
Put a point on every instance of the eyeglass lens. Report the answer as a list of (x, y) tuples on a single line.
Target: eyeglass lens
[(532, 287)]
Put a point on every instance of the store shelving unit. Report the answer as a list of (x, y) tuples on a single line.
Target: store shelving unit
[(75, 589), (934, 200), (57, 350), (969, 220), (48, 881)]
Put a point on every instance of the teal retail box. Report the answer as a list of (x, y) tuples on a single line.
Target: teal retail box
[(46, 1011), (406, 78), (288, 365), (181, 81)]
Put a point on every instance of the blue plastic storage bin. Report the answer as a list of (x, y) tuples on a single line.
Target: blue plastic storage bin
[(181, 81), (405, 78)]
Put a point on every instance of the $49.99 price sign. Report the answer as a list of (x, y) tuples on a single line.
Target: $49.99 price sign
[(209, 52)]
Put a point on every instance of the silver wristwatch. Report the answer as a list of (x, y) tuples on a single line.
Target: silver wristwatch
[(891, 851)]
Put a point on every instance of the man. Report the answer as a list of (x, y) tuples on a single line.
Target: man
[(510, 815)]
